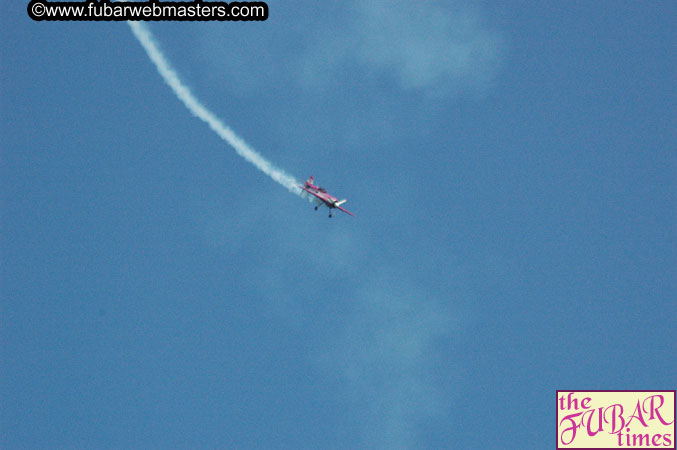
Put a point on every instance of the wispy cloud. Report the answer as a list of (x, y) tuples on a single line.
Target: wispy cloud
[(379, 336), (423, 46), (432, 47), (386, 355)]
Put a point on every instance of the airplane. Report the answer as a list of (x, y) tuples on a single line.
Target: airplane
[(323, 197)]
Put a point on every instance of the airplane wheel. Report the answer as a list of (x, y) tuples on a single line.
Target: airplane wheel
[(316, 208)]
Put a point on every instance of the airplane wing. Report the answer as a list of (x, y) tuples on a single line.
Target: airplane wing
[(311, 192), (345, 210)]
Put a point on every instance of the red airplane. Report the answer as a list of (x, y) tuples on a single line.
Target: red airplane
[(323, 197)]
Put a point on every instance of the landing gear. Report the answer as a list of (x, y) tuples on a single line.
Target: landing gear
[(330, 214), (316, 208)]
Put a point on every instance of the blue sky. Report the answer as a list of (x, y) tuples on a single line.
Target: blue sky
[(512, 169)]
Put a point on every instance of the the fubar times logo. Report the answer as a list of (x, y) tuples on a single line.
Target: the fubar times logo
[(615, 420)]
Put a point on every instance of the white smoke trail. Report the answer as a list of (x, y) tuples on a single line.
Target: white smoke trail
[(145, 37)]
